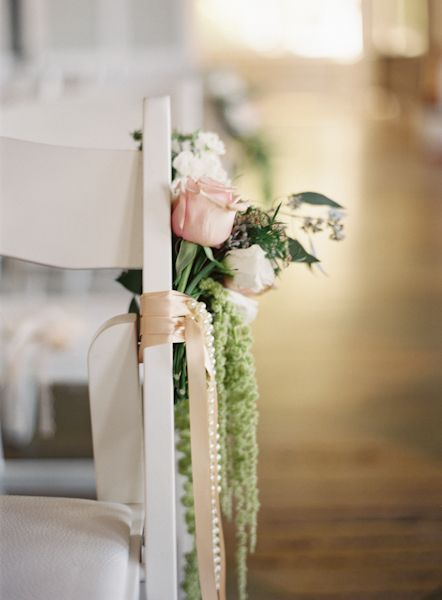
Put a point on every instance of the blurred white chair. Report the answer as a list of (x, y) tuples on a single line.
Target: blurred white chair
[(82, 208), (101, 115)]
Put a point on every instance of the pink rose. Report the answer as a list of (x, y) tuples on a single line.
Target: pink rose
[(204, 212)]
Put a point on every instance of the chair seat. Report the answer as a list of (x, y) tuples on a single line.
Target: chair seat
[(67, 549)]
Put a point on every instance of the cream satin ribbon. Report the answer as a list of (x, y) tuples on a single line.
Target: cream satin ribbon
[(167, 317)]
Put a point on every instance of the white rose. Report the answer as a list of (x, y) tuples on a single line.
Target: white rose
[(252, 270), (246, 307), (207, 140)]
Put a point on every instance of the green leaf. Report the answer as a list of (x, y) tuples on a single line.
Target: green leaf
[(133, 306), (275, 214), (137, 135), (221, 266), (299, 254), (132, 280), (186, 254), (316, 199)]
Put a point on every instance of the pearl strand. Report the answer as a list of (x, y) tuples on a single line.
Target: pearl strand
[(203, 317)]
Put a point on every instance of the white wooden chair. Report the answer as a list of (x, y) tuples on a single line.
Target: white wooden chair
[(82, 208)]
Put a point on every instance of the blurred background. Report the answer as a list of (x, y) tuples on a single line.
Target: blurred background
[(343, 97)]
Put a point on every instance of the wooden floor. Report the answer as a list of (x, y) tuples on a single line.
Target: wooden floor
[(350, 370)]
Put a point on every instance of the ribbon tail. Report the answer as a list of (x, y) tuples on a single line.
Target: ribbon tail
[(205, 477)]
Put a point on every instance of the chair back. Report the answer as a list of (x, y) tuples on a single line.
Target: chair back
[(79, 208), (70, 207)]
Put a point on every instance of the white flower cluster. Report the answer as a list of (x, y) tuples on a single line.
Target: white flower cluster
[(198, 156)]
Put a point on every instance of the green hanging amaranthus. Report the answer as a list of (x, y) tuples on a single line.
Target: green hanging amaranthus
[(237, 417)]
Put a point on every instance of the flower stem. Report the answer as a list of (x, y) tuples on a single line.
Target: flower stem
[(184, 278), (199, 276)]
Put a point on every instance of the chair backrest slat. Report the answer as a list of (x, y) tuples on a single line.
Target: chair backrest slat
[(159, 430), (70, 207)]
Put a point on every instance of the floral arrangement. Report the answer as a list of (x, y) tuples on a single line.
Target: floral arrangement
[(226, 252)]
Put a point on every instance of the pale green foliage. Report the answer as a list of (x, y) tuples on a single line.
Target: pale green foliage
[(237, 398), (238, 418)]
